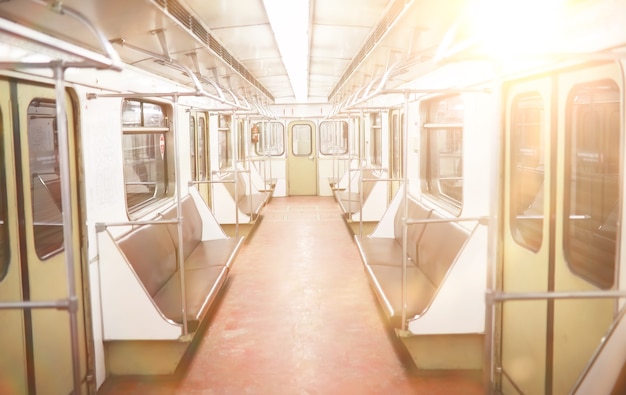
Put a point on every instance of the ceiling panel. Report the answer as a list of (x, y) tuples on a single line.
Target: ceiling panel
[(328, 66), (245, 48), (325, 42), (266, 67), (353, 13), (219, 14)]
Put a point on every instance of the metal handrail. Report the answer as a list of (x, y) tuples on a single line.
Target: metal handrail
[(492, 297), (60, 304), (483, 220), (102, 226), (89, 60), (194, 182), (109, 61), (199, 89)]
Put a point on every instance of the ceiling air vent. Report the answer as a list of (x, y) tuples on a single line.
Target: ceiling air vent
[(379, 31), (177, 12)]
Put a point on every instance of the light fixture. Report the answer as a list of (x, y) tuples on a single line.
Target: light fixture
[(290, 22)]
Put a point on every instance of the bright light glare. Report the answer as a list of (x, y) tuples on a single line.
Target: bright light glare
[(510, 27), (290, 23)]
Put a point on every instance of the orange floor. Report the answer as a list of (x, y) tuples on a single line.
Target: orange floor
[(298, 317)]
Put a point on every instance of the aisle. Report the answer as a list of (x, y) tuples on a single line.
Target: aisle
[(297, 317)]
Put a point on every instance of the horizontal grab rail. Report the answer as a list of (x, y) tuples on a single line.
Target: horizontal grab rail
[(381, 179), (101, 226), (30, 304), (510, 296), (482, 220), (224, 172), (192, 183)]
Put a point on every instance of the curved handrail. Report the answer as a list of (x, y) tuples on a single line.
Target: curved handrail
[(379, 88), (113, 56), (200, 91)]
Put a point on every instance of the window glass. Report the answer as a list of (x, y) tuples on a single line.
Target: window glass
[(223, 141), (270, 139), (43, 149), (527, 170), (241, 132), (4, 231), (193, 146), (376, 139), (334, 138), (302, 144), (355, 137), (397, 120), (202, 149), (442, 166), (144, 145), (592, 181)]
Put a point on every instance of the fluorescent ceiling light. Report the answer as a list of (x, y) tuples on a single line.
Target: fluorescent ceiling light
[(290, 22)]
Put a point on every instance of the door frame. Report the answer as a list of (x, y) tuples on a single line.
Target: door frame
[(304, 165)]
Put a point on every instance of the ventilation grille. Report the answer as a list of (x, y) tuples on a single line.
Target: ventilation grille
[(175, 10), (392, 14)]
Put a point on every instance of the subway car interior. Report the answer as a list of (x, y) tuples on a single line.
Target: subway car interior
[(312, 196)]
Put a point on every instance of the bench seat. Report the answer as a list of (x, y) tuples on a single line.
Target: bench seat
[(350, 200), (366, 198), (151, 250), (344, 195), (388, 290), (251, 205), (200, 253), (141, 290), (427, 261), (201, 286), (445, 283), (381, 251), (247, 202), (209, 253), (269, 185)]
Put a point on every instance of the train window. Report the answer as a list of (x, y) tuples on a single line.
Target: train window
[(192, 148), (442, 139), (356, 138), (527, 170), (241, 152), (43, 147), (202, 148), (4, 232), (592, 181), (376, 139), (223, 141), (302, 144), (334, 138), (144, 147), (198, 147), (270, 140), (397, 120)]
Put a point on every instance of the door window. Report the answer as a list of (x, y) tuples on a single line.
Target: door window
[(592, 181), (302, 140), (45, 177)]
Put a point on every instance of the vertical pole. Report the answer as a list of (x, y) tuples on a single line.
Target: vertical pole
[(405, 208), (235, 138), (180, 254), (364, 156), (266, 151), (247, 135), (66, 204), (493, 238)]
